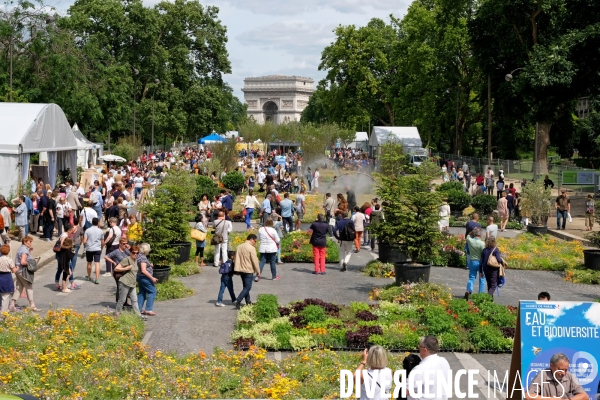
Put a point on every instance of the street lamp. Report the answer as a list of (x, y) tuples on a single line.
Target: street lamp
[(509, 77)]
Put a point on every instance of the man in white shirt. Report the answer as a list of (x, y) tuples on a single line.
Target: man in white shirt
[(80, 192), (261, 177), (109, 182), (491, 229), (427, 371)]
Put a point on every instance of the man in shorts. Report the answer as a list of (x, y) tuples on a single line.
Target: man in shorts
[(93, 240), (300, 208)]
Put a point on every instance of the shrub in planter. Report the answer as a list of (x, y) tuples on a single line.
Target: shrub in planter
[(458, 200), (484, 204), (165, 219), (449, 186), (411, 214), (234, 181)]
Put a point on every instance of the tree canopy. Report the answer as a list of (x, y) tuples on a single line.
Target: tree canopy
[(106, 57)]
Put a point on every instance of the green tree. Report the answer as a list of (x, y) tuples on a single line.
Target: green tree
[(554, 44)]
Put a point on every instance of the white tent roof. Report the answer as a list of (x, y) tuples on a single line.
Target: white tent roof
[(82, 141), (36, 127), (361, 137), (407, 135)]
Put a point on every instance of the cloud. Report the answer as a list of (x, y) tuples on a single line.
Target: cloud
[(295, 7), (293, 37), (593, 314)]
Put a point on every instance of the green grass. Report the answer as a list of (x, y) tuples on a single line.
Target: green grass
[(173, 289), (186, 269)]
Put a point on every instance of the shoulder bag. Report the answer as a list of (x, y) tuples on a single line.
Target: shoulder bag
[(493, 261), (217, 237), (198, 235), (269, 235)]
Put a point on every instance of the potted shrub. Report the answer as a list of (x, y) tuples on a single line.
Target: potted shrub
[(484, 204), (536, 203), (165, 223), (411, 217)]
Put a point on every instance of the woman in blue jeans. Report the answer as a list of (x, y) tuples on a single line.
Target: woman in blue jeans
[(491, 273), (475, 246), (145, 280), (249, 207)]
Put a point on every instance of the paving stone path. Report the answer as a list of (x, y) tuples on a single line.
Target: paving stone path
[(188, 325)]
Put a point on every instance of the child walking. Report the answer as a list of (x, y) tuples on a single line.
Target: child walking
[(226, 271), (65, 255)]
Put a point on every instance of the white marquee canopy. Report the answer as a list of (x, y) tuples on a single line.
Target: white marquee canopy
[(32, 128)]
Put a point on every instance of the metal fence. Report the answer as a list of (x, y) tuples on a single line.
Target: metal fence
[(521, 169)]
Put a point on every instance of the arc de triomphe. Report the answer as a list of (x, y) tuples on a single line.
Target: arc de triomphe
[(277, 98)]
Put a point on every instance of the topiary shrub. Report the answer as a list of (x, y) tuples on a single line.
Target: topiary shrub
[(448, 186), (458, 199), (205, 185), (484, 204), (234, 181)]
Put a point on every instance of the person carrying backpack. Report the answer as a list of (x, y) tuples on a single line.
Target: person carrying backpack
[(345, 232)]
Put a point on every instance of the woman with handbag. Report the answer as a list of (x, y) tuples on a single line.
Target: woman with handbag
[(24, 278), (204, 209), (249, 203), (7, 285), (146, 281), (200, 244), (269, 243), (489, 264)]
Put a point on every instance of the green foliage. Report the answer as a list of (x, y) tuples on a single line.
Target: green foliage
[(265, 308), (411, 214), (489, 337), (165, 220), (226, 154), (377, 269), (93, 50), (313, 313), (484, 204), (429, 169), (458, 200), (498, 315), (172, 289), (128, 148), (205, 185), (234, 181), (359, 306), (437, 320), (186, 269), (392, 159), (587, 276), (449, 186), (536, 202)]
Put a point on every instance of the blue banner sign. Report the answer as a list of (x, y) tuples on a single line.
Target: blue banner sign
[(568, 327)]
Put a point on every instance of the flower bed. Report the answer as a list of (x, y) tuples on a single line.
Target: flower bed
[(295, 247), (528, 251), (402, 316), (67, 355)]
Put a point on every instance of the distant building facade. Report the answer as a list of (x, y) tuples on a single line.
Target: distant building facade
[(277, 98)]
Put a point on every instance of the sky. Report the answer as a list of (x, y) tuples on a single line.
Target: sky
[(284, 37)]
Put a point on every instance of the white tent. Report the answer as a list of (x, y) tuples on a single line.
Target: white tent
[(408, 136), (87, 151), (32, 128), (361, 141)]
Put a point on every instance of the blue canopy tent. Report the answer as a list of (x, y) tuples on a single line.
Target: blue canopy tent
[(212, 138)]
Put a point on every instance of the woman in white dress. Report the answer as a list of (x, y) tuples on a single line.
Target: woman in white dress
[(444, 212), (315, 181)]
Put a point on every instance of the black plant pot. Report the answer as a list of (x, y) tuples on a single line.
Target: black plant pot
[(183, 251), (537, 230), (391, 254), (591, 259), (161, 272), (407, 272)]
